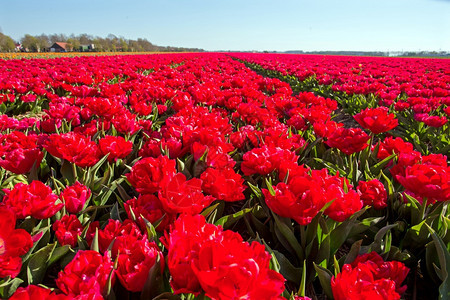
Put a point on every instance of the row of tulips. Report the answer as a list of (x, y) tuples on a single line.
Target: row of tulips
[(185, 176), (417, 90)]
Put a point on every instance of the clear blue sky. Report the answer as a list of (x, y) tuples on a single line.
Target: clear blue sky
[(382, 25)]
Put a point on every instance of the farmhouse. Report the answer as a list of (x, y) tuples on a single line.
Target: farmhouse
[(60, 47)]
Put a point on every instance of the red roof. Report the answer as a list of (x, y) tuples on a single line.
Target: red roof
[(62, 45)]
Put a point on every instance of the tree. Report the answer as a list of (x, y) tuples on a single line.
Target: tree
[(123, 44), (31, 43), (57, 38), (146, 45), (43, 42), (74, 43), (85, 39), (99, 44), (6, 43), (108, 44)]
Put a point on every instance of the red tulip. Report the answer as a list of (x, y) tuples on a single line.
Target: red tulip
[(430, 181), (369, 277), (146, 175), (373, 193), (19, 152), (377, 120), (115, 146), (36, 200), (67, 230), (348, 141), (34, 292), (75, 196), (13, 244), (148, 206), (179, 195), (223, 184), (88, 272)]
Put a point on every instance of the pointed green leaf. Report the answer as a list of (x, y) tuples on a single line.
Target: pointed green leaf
[(58, 253), (444, 261), (95, 245), (37, 265), (154, 284), (288, 234), (115, 213), (270, 187), (302, 289), (256, 190), (227, 221), (325, 280), (354, 252)]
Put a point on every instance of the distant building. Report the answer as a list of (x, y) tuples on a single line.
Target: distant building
[(87, 48), (60, 47), (19, 48)]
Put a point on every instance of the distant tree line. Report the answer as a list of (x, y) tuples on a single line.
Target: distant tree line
[(6, 43), (111, 43)]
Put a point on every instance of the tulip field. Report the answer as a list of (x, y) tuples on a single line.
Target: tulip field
[(224, 176)]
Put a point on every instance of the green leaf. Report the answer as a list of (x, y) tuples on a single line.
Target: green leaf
[(153, 285), (354, 252), (8, 288), (42, 232), (287, 269), (270, 187), (91, 172), (151, 231), (390, 185), (256, 190), (288, 234), (227, 221), (337, 269), (312, 249), (311, 230), (431, 261), (444, 260), (95, 245), (58, 253), (109, 284), (383, 231), (364, 225), (259, 226), (340, 234), (325, 280), (115, 213), (199, 167), (67, 171), (378, 239), (331, 166), (207, 211), (417, 236), (180, 165), (33, 174), (323, 255), (167, 296), (375, 169), (274, 264), (123, 193), (302, 289), (37, 265)]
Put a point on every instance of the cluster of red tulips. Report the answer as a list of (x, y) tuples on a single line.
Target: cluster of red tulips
[(191, 176)]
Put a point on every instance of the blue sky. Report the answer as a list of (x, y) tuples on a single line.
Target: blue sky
[(382, 25)]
